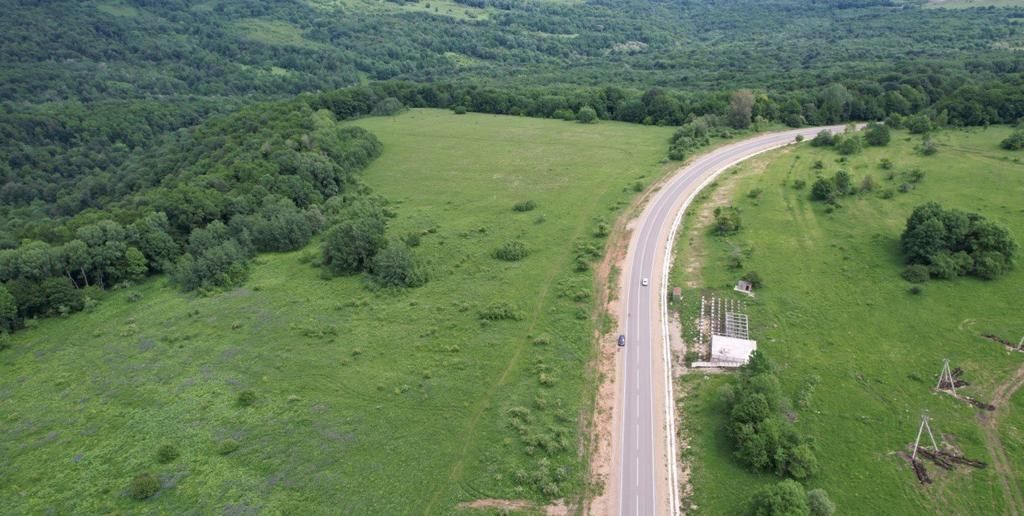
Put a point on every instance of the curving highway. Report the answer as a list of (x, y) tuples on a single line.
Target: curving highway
[(646, 465)]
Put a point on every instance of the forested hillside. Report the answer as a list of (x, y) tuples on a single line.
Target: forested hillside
[(140, 48), (97, 97)]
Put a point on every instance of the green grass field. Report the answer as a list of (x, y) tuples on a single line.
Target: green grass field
[(835, 307), (964, 4), (366, 402)]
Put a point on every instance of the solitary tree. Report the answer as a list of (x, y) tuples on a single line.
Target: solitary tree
[(741, 105), (586, 115), (786, 498), (350, 245), (876, 134)]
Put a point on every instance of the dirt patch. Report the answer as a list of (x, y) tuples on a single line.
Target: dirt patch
[(990, 428), (555, 509)]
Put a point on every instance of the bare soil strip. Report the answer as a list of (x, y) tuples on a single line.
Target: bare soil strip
[(990, 428)]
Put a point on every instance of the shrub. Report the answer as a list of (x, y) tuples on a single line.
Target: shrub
[(501, 311), (918, 124), (754, 278), (915, 175), (915, 290), (387, 107), (166, 454), (1013, 142), (227, 447), (905, 187), (395, 266), (843, 182), (350, 245), (563, 114), (755, 193), (727, 220), (246, 398), (823, 139), (818, 164), (850, 144), (511, 251), (823, 190), (586, 115), (867, 184), (799, 184), (786, 498), (876, 134), (799, 137), (522, 206), (915, 273), (459, 110), (885, 164), (819, 503), (143, 486), (949, 243), (927, 147)]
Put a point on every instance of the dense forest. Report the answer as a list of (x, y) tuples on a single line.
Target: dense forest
[(140, 137)]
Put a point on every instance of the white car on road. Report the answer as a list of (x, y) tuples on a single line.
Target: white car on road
[(644, 282)]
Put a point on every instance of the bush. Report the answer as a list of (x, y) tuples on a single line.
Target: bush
[(395, 266), (586, 115), (501, 311), (524, 206), (350, 245), (918, 124), (166, 454), (867, 184), (727, 220), (819, 503), (459, 110), (849, 144), (754, 278), (927, 147), (949, 243), (1013, 142), (799, 184), (823, 139), (876, 134), (915, 290), (763, 440), (387, 107), (227, 447), (755, 193), (143, 486), (246, 398), (512, 251), (885, 164), (823, 190), (786, 498), (843, 182), (915, 273)]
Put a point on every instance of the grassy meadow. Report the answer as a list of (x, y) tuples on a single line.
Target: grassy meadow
[(834, 308), (366, 402)]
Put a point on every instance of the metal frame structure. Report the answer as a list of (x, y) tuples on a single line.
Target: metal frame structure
[(924, 426), (946, 375)]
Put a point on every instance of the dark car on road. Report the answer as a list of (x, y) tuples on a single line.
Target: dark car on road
[(622, 340)]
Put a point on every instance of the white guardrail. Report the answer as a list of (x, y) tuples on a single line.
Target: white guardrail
[(666, 339)]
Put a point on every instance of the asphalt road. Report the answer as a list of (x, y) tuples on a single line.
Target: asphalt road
[(646, 444)]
